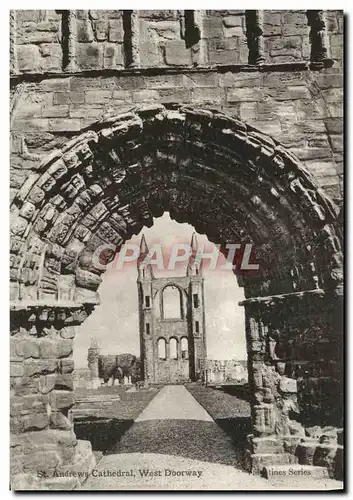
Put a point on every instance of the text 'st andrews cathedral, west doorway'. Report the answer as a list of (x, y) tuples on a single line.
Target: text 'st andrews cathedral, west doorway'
[(172, 321)]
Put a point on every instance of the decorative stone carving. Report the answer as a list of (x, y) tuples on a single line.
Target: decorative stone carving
[(79, 205)]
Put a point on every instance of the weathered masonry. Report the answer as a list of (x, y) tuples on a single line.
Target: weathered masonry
[(230, 121), (172, 322)]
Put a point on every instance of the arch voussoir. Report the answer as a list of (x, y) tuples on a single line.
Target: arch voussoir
[(72, 171)]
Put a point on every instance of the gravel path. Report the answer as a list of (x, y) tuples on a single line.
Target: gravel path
[(174, 402)]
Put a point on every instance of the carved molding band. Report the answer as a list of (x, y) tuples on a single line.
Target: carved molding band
[(276, 299), (13, 54), (125, 39)]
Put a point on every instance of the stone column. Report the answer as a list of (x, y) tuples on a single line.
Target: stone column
[(13, 53), (131, 38), (320, 48), (254, 34), (147, 358), (42, 437), (69, 40), (284, 333)]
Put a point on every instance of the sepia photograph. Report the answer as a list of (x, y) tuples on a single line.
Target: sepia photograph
[(176, 250)]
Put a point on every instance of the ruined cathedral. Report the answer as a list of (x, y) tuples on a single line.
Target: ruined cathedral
[(229, 120), (172, 321)]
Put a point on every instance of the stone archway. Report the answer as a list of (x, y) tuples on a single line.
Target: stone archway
[(229, 181)]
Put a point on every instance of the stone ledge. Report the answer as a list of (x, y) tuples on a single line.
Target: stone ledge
[(101, 398), (274, 299), (161, 70), (57, 304)]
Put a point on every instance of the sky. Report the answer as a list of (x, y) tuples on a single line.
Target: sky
[(114, 323)]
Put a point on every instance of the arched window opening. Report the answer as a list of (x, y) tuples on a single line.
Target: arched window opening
[(162, 351), (172, 302), (147, 301), (173, 348), (184, 348)]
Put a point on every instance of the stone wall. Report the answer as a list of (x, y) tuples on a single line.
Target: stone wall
[(114, 39), (41, 383), (226, 371), (302, 109), (81, 378), (179, 328), (286, 98)]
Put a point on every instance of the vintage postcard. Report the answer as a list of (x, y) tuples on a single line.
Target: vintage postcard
[(176, 280)]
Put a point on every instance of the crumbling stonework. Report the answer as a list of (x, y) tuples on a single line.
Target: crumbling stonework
[(225, 371), (182, 335), (118, 116)]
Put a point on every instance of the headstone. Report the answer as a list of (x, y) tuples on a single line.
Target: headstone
[(94, 383)]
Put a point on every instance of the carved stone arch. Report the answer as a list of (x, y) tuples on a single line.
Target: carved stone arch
[(211, 170), (183, 296), (173, 341), (170, 283), (107, 183), (162, 351), (182, 347)]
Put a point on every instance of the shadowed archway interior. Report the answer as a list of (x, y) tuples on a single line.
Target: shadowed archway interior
[(230, 182)]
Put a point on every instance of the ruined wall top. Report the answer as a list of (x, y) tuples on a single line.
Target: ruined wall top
[(58, 41)]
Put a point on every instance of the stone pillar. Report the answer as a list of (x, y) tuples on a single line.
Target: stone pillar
[(285, 333), (13, 53), (42, 437), (69, 40), (264, 445), (179, 352), (131, 38), (254, 34), (320, 47), (93, 360)]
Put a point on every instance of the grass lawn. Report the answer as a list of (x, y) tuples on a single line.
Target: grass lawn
[(129, 407), (219, 442), (106, 426), (192, 439), (111, 429), (228, 407)]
